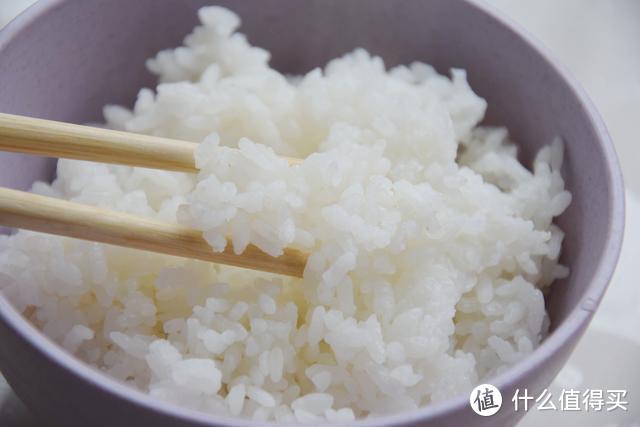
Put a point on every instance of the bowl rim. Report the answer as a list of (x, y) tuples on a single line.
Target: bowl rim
[(575, 322)]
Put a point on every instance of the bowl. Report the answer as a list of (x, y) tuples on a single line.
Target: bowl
[(65, 59)]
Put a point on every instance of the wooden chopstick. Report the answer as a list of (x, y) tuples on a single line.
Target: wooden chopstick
[(20, 134), (30, 211), (49, 215)]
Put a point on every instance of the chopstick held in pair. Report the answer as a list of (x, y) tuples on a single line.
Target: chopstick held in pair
[(49, 215)]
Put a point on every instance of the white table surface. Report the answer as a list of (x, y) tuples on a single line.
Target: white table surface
[(599, 42)]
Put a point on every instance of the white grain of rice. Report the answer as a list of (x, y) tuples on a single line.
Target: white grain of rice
[(261, 397), (235, 399), (276, 361), (315, 403), (76, 336)]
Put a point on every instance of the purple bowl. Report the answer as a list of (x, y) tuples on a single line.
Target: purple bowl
[(65, 59)]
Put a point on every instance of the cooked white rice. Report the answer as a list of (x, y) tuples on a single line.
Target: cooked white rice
[(431, 245)]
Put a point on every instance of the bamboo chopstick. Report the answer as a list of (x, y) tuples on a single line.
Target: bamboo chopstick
[(30, 211), (49, 215), (20, 134)]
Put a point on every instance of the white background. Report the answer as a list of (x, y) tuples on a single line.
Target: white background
[(599, 42)]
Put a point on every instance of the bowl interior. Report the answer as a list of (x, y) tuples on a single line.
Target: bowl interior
[(70, 74)]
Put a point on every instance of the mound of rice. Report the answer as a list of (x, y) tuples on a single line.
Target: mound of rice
[(431, 245)]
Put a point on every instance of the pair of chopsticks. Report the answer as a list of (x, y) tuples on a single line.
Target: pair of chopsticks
[(19, 209)]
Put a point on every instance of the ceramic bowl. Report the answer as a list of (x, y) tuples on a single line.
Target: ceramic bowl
[(65, 59)]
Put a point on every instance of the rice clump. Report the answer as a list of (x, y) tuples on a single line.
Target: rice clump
[(431, 244)]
